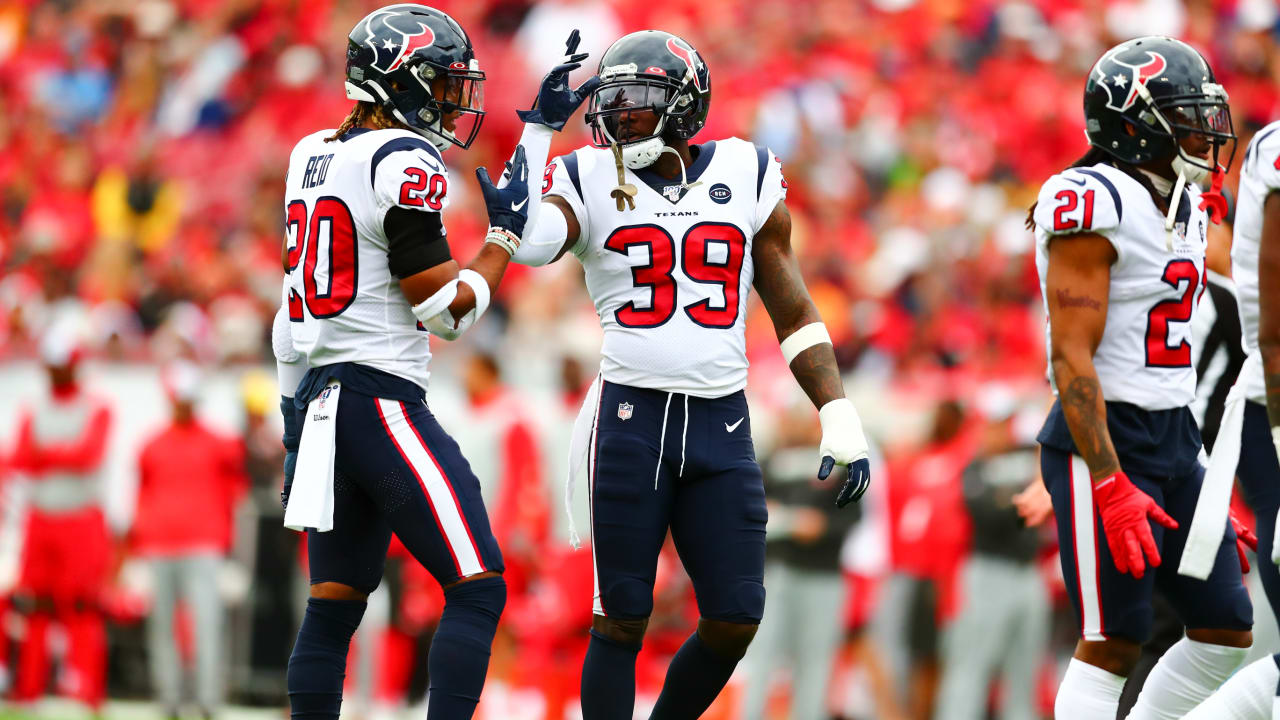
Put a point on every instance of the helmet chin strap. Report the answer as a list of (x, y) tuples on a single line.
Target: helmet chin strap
[(1174, 202)]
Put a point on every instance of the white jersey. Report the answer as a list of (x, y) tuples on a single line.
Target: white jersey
[(670, 277), (345, 304), (1145, 355), (1258, 178)]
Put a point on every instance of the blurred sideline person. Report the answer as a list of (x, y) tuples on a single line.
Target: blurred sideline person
[(1253, 411), (190, 480), (1002, 630), (1120, 248), (804, 537), (369, 275), (672, 237), (67, 551)]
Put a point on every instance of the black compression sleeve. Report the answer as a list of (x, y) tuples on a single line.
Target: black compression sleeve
[(415, 241)]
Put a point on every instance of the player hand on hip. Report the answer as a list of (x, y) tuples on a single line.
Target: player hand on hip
[(1244, 539), (844, 443), (556, 101), (1125, 511), (508, 206)]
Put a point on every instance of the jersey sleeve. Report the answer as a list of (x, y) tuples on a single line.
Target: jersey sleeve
[(771, 186), (563, 179), (1263, 158), (408, 173), (1079, 200)]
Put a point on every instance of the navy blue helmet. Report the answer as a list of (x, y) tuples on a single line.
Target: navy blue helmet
[(418, 64), (650, 70), (1146, 95)]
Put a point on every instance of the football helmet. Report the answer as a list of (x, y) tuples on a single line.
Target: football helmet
[(418, 63), (1144, 96), (654, 71)]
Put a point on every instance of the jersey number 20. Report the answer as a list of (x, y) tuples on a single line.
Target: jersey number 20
[(330, 224), (695, 263)]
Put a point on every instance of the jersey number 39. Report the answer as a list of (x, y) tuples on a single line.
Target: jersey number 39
[(695, 262), (329, 286)]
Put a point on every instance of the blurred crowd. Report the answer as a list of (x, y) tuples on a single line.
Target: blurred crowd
[(143, 146)]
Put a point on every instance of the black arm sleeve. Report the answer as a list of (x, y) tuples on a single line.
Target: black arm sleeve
[(415, 241)]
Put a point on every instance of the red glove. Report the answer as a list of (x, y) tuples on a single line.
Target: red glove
[(1244, 538), (1125, 511)]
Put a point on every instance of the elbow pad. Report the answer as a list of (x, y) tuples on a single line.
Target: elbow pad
[(434, 313), (543, 241)]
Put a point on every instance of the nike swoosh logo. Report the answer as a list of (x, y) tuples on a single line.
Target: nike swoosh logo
[(1081, 183), (516, 207), (731, 428)]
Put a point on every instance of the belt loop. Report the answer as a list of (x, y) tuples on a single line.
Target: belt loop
[(662, 441)]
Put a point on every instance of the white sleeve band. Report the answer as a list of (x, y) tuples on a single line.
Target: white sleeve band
[(479, 286), (544, 241), (282, 337), (803, 339), (437, 303), (289, 374), (536, 140)]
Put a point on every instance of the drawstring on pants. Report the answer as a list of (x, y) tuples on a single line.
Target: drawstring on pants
[(662, 439)]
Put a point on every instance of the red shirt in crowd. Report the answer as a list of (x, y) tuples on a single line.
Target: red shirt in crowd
[(189, 480)]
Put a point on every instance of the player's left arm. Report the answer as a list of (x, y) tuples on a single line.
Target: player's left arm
[(1269, 309), (807, 347)]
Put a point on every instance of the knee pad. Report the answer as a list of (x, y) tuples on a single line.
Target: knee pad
[(727, 639), (625, 632), (628, 598)]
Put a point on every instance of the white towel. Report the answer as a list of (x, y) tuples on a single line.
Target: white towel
[(311, 497), (580, 451), (1209, 525)]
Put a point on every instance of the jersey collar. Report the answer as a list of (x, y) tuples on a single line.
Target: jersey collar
[(701, 158)]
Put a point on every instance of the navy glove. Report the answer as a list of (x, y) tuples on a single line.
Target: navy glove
[(855, 484), (556, 101), (508, 206), (291, 438)]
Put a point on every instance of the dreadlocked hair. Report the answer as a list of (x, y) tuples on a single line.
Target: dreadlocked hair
[(364, 111)]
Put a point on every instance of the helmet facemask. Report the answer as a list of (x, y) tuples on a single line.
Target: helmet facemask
[(618, 106), (1169, 121), (427, 98)]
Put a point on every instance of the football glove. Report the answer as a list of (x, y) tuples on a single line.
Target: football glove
[(1126, 513), (556, 101), (1244, 539), (844, 443), (508, 206)]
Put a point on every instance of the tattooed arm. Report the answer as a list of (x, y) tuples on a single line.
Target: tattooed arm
[(781, 288), (1269, 308), (1077, 285)]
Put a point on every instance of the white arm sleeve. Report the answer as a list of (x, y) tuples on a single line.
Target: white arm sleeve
[(542, 242), (290, 364), (536, 140)]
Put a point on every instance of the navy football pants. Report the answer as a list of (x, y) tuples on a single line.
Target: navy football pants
[(669, 461), (396, 469), (1259, 474)]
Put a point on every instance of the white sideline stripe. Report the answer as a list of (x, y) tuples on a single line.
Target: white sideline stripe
[(448, 514), (1085, 535)]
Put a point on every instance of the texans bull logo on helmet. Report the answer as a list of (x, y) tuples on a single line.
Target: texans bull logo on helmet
[(689, 56), (1123, 79), (393, 37)]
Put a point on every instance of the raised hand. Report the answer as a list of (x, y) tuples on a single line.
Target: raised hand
[(556, 101), (508, 206)]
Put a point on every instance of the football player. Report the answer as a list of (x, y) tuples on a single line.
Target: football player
[(1253, 408), (673, 236), (1120, 248), (369, 275)]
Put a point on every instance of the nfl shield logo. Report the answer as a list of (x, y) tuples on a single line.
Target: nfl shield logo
[(673, 192), (624, 410)]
